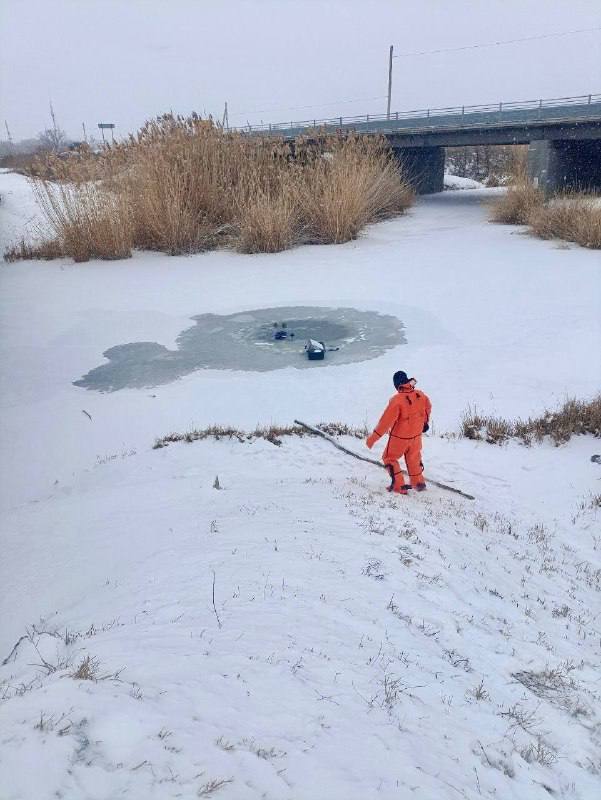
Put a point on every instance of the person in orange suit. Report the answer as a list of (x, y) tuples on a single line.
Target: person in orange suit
[(405, 418)]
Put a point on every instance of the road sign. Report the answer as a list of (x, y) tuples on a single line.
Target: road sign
[(110, 126)]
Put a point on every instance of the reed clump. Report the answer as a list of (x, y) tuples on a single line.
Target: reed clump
[(572, 216), (519, 203), (185, 185)]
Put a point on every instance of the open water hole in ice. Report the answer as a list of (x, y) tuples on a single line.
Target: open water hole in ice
[(258, 341)]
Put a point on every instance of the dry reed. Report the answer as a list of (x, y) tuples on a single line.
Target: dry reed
[(85, 221), (356, 182), (518, 204), (186, 185), (572, 216), (573, 418)]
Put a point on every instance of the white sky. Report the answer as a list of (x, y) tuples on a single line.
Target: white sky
[(124, 61)]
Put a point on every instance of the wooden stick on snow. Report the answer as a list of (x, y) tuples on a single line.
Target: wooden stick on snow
[(372, 460)]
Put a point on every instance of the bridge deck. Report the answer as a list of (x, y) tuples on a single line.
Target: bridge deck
[(526, 115)]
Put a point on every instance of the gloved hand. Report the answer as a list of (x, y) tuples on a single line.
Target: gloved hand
[(371, 440), (426, 427)]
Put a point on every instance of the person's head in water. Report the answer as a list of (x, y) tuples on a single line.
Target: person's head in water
[(400, 379)]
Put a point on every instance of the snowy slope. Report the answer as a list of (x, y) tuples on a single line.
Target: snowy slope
[(356, 645), (361, 646)]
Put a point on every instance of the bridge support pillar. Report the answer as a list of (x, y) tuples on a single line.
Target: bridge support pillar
[(569, 164), (423, 166)]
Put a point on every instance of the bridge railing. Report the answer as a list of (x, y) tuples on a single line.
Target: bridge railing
[(502, 110)]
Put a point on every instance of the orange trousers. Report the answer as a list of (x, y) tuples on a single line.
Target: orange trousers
[(411, 449)]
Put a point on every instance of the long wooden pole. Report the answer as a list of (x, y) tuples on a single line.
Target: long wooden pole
[(373, 461)]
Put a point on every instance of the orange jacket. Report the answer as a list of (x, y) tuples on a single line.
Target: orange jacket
[(405, 415)]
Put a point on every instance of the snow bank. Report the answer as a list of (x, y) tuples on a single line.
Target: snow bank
[(457, 182), (19, 213)]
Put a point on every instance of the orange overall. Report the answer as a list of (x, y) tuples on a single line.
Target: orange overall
[(404, 419)]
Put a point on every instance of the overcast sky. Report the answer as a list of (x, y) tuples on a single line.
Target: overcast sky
[(124, 61)]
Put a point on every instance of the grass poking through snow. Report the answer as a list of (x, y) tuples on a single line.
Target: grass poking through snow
[(573, 418), (272, 433)]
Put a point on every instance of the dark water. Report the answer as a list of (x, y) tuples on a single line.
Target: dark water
[(246, 342)]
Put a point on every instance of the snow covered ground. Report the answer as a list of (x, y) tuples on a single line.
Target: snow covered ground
[(299, 634)]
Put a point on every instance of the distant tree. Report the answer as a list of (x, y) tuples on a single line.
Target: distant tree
[(492, 164), (53, 139)]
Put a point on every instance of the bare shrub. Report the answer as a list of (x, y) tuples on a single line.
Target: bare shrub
[(573, 418), (520, 717)]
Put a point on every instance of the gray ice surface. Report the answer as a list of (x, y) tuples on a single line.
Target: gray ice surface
[(246, 342)]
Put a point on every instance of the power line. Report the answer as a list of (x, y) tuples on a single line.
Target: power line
[(417, 53), (316, 105), (496, 44)]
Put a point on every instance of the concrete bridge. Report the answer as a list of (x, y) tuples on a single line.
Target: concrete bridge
[(563, 137)]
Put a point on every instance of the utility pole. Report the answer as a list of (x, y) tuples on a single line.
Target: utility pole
[(225, 122), (53, 117), (85, 138), (389, 82)]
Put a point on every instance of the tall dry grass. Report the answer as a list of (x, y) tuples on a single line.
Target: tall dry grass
[(518, 204), (270, 222), (571, 216), (573, 418), (186, 185), (354, 183), (86, 221)]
